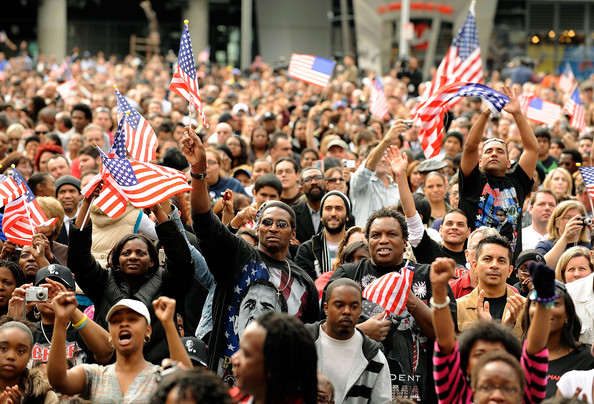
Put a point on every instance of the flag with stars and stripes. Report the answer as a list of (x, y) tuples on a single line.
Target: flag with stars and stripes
[(311, 69), (143, 184), (588, 175), (141, 140), (23, 215), (391, 290), (542, 111), (463, 61), (378, 104), (111, 200), (575, 109), (430, 113), (184, 81), (567, 79), (9, 190)]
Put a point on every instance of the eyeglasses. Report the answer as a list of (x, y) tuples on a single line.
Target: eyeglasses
[(506, 390), (335, 180), (212, 162), (318, 178), (281, 224), (323, 398), (41, 132)]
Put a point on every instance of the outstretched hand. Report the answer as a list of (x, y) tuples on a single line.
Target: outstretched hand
[(397, 160), (193, 150), (513, 106), (483, 308)]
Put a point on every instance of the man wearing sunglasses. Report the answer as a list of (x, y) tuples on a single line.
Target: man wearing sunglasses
[(486, 186), (235, 264)]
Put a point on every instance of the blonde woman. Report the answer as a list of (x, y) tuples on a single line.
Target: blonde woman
[(574, 264), (560, 182), (566, 229)]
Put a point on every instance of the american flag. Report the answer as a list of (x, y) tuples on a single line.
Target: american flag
[(588, 175), (575, 109), (391, 290), (567, 79), (23, 215), (143, 184), (463, 61), (141, 140), (9, 190), (111, 200), (184, 81), (430, 113), (378, 104), (543, 111), (525, 99), (311, 69)]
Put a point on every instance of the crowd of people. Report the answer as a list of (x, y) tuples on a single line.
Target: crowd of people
[(249, 288)]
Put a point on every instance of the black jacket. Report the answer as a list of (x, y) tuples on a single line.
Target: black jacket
[(107, 287), (305, 228), (236, 265), (310, 257)]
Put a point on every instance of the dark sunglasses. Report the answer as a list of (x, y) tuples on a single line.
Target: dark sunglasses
[(281, 224)]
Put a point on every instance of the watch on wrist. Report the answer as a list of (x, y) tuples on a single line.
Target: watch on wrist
[(198, 176)]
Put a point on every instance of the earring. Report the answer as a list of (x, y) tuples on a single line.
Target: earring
[(147, 339), (110, 341)]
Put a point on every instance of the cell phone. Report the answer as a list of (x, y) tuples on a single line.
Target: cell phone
[(226, 196), (348, 163), (16, 256)]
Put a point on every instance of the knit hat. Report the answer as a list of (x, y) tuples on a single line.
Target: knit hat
[(455, 134), (346, 200), (528, 255), (67, 180)]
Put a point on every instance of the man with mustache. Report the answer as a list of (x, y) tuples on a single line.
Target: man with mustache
[(313, 185), (492, 298), (352, 361), (318, 254)]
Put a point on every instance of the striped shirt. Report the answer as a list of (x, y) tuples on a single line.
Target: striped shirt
[(453, 388)]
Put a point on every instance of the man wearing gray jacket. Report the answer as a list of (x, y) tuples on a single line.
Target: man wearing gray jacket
[(352, 361)]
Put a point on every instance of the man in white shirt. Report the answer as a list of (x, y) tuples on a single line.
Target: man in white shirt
[(352, 361), (542, 205)]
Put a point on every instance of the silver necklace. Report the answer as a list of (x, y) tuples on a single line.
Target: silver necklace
[(278, 291), (45, 336)]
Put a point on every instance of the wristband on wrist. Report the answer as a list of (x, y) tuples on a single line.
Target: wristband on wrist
[(436, 306), (81, 323), (198, 176)]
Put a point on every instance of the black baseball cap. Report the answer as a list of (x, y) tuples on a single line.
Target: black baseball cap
[(197, 350), (55, 272)]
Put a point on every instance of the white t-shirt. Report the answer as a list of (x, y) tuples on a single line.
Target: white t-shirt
[(574, 379), (336, 358), (333, 251), (531, 237)]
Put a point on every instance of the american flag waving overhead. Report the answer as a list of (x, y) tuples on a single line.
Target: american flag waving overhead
[(311, 69), (143, 184), (567, 79), (184, 81), (141, 140), (575, 109), (111, 200), (378, 104), (431, 112), (391, 290), (23, 215), (463, 61), (588, 175)]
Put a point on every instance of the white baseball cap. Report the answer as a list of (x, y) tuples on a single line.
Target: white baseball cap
[(135, 305)]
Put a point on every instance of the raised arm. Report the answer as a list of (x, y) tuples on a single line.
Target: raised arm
[(529, 158), (66, 381), (442, 270), (85, 206), (165, 312), (377, 153), (194, 152), (309, 131), (470, 153), (543, 279), (399, 163)]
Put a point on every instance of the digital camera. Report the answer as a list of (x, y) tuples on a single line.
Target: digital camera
[(586, 220), (36, 294)]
